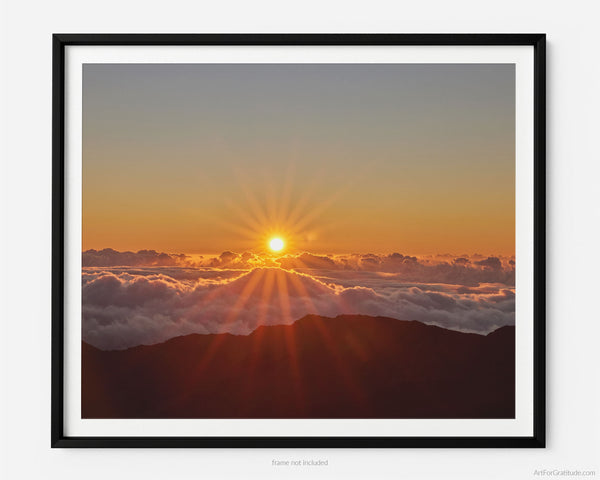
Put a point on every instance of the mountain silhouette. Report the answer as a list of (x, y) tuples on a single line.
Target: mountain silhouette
[(351, 366)]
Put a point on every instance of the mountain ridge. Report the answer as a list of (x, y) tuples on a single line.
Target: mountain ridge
[(308, 316), (349, 366)]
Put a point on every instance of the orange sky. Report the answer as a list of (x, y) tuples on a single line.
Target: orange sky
[(334, 158)]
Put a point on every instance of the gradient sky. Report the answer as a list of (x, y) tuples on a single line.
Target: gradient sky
[(337, 158)]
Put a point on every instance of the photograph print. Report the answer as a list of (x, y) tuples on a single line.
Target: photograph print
[(298, 241)]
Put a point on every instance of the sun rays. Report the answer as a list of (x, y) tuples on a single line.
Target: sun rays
[(282, 211)]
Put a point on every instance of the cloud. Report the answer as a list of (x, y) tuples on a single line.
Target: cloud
[(126, 307), (307, 260), (463, 270), (183, 274), (491, 263), (151, 258), (461, 261), (110, 257)]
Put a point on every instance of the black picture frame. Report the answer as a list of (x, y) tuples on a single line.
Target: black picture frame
[(61, 41)]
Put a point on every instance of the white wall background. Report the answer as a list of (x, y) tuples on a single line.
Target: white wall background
[(573, 231)]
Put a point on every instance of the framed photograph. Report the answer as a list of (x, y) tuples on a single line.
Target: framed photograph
[(320, 240)]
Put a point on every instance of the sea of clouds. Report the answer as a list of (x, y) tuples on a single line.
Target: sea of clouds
[(146, 297)]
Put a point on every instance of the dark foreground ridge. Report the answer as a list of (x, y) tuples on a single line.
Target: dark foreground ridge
[(351, 366)]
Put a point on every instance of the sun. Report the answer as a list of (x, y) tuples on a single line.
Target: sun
[(276, 244)]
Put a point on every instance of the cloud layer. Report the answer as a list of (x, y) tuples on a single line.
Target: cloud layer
[(464, 270), (126, 306)]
